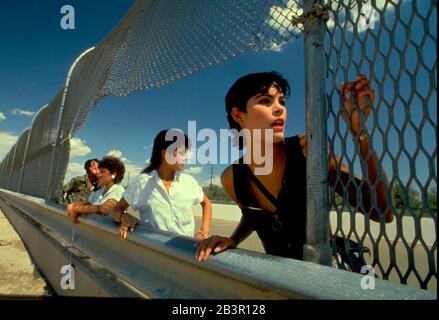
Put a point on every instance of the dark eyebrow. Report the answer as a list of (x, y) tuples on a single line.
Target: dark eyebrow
[(267, 95), (263, 95)]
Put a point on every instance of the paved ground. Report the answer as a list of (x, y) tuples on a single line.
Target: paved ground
[(18, 274)]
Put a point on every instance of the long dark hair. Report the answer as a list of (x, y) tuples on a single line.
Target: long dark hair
[(160, 143)]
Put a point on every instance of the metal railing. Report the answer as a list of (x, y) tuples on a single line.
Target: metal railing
[(393, 42), (157, 264)]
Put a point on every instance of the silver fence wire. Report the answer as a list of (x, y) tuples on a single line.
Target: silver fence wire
[(157, 42), (40, 148), (17, 165), (9, 161), (393, 43), (176, 38), (4, 171)]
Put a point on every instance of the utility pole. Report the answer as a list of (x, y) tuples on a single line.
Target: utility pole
[(211, 176)]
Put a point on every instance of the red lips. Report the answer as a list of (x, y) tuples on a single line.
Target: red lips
[(278, 124)]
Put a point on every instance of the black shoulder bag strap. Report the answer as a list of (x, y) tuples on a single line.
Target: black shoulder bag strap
[(261, 187), (277, 224)]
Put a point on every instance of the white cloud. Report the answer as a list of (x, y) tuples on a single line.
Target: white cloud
[(193, 170), (73, 170), (281, 17), (277, 47), (78, 148), (18, 112), (2, 116), (131, 169), (117, 154), (7, 140)]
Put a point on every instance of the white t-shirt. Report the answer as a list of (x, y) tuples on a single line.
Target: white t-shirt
[(115, 192), (171, 212)]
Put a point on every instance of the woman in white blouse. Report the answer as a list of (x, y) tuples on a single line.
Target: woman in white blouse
[(101, 201), (163, 194)]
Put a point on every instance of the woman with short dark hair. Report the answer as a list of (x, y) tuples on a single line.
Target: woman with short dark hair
[(274, 205), (102, 200)]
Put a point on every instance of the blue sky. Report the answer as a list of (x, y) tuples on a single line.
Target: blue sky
[(36, 55), (39, 54)]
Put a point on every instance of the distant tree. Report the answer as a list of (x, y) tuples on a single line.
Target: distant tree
[(399, 200), (217, 193), (398, 196), (432, 198)]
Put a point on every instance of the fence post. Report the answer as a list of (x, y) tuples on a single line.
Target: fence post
[(317, 248), (23, 163), (50, 194)]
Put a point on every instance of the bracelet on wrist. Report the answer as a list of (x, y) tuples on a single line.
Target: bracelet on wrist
[(203, 234)]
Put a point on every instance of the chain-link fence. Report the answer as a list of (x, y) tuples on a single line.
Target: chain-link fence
[(392, 42), (141, 53), (198, 34), (17, 164)]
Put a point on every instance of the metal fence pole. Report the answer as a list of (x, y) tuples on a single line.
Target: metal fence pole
[(23, 163), (50, 194), (317, 248)]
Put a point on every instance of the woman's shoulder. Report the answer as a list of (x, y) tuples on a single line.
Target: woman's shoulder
[(296, 141), (227, 175), (118, 187), (227, 182)]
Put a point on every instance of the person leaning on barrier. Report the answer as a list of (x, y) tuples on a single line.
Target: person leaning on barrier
[(274, 205), (79, 188), (163, 194), (111, 172)]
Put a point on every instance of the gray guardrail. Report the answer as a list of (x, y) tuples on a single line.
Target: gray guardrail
[(157, 264)]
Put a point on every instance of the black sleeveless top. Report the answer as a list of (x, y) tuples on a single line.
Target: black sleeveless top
[(283, 233)]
